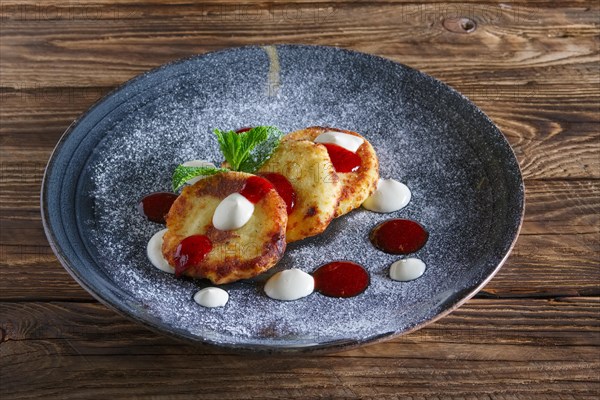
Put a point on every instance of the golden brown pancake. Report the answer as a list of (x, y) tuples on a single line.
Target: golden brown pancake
[(236, 254), (307, 166), (356, 186)]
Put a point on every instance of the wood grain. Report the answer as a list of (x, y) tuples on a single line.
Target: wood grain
[(556, 255), (532, 65), (513, 38), (506, 348), (550, 143)]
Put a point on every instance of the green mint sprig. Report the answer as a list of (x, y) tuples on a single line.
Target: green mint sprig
[(183, 174), (248, 151), (244, 151)]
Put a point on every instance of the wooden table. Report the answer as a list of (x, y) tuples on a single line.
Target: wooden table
[(533, 332)]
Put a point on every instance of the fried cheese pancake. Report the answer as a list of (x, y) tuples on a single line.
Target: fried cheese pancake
[(307, 167), (236, 254), (356, 186)]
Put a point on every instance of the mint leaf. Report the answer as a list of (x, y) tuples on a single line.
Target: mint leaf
[(263, 150), (183, 174), (229, 142), (248, 151)]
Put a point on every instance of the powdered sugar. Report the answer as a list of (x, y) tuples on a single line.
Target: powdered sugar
[(396, 109)]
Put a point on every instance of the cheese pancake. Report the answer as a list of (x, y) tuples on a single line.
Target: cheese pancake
[(236, 254), (307, 167), (356, 186)]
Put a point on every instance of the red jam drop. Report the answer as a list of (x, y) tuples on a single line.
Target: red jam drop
[(341, 279), (256, 188), (343, 160), (244, 129), (155, 206), (190, 252), (399, 236), (284, 188)]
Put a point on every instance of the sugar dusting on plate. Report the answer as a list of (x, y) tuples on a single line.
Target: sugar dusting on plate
[(174, 124)]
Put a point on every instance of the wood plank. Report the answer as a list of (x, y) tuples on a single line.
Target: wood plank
[(557, 254), (116, 46), (553, 207), (549, 265), (562, 207), (540, 266), (516, 349), (552, 321), (549, 141), (521, 81)]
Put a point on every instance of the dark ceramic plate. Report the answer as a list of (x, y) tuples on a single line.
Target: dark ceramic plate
[(466, 185)]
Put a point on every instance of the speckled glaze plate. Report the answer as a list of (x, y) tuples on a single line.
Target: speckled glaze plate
[(466, 185)]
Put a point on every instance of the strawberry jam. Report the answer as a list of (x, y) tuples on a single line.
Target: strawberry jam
[(190, 252), (399, 236), (343, 160), (256, 188), (341, 279), (155, 206), (284, 188)]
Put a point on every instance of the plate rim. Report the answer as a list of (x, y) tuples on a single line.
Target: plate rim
[(323, 347)]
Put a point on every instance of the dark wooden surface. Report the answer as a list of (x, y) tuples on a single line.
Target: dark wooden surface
[(533, 332)]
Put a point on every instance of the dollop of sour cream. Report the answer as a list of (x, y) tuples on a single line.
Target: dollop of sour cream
[(211, 297), (407, 269), (349, 142), (291, 284), (154, 252), (197, 163), (389, 196), (233, 212)]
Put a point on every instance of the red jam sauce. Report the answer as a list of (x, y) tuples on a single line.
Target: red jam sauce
[(284, 188), (244, 129), (155, 206), (343, 160), (256, 188), (399, 236), (190, 252), (341, 279)]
